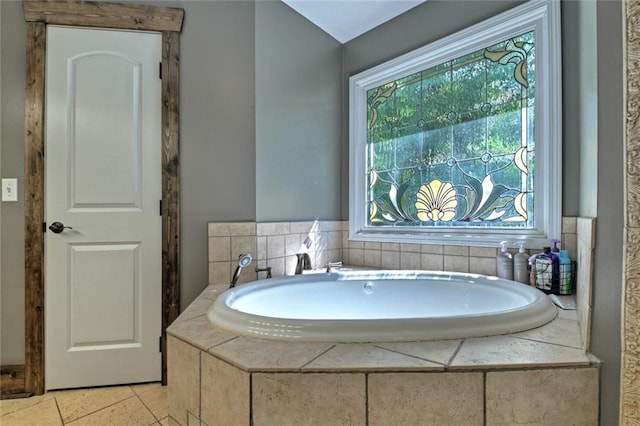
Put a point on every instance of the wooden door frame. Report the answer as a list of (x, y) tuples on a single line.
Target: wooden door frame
[(38, 14)]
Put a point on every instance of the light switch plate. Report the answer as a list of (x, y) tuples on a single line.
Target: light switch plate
[(10, 189)]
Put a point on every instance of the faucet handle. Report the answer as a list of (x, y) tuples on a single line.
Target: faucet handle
[(332, 265)]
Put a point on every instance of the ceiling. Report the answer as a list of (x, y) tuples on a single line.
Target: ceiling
[(347, 19)]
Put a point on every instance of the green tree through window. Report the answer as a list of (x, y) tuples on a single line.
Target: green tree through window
[(453, 145)]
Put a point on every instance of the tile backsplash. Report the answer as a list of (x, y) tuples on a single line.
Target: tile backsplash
[(275, 245)]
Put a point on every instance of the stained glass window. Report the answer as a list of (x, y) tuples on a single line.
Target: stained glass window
[(460, 141), (453, 145)]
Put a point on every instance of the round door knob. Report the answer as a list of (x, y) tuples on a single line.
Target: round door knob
[(58, 227)]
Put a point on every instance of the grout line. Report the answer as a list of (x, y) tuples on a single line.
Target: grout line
[(145, 406), (316, 357), (100, 409), (395, 351), (59, 412), (455, 353)]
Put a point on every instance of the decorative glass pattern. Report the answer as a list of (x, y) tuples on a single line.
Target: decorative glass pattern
[(453, 145)]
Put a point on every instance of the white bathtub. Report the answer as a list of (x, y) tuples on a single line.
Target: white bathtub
[(380, 306)]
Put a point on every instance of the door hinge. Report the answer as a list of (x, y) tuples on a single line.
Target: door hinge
[(44, 226), (160, 70), (160, 344), (160, 207)]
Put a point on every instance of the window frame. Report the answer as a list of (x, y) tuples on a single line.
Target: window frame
[(542, 16)]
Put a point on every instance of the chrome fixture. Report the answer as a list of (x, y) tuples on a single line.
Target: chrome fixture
[(303, 264), (267, 270), (244, 260), (332, 265)]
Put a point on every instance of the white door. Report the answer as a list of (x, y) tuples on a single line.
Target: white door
[(103, 181)]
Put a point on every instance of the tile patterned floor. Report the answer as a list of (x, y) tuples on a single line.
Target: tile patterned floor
[(143, 405)]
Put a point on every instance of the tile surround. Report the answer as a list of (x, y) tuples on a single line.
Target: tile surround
[(275, 244), (285, 383)]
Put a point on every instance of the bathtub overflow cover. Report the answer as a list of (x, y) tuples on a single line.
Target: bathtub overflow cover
[(369, 287)]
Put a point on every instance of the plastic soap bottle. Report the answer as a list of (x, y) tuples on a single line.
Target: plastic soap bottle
[(555, 250), (547, 269), (565, 272), (520, 263), (504, 262)]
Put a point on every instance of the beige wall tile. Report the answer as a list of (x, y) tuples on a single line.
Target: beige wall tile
[(390, 259), (426, 399), (372, 258), (439, 351), (456, 250), (261, 248), (409, 260), (483, 252), (199, 332), (570, 243), (272, 228), (356, 257), (456, 263), (432, 262), (183, 379), (292, 245), (559, 331), (243, 245), (227, 229), (390, 246), (335, 240), (225, 393), (275, 246), (219, 272), (277, 266), (366, 357), (543, 397), (411, 248), (483, 265), (432, 249), (268, 355), (510, 352), (569, 225), (370, 245), (219, 249), (356, 245), (308, 399)]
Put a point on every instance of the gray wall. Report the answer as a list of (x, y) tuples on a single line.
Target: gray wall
[(297, 117), (592, 133), (12, 76), (232, 134)]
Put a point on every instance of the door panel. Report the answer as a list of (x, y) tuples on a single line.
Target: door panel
[(103, 180)]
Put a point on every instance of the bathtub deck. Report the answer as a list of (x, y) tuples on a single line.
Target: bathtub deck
[(483, 377)]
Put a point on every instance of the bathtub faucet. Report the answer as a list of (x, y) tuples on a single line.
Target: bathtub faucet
[(244, 260), (303, 264)]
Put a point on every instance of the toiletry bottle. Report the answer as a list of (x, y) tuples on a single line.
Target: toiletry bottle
[(504, 262), (566, 275), (547, 268), (520, 263), (532, 269), (555, 248)]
